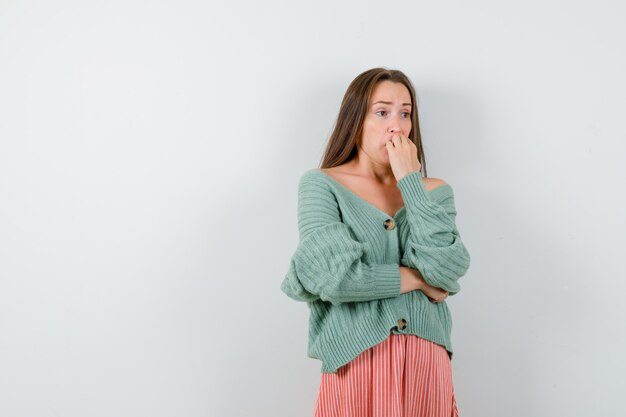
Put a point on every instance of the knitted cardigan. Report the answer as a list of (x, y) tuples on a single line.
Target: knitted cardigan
[(346, 266)]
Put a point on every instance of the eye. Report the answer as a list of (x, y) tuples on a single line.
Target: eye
[(380, 111), (408, 114)]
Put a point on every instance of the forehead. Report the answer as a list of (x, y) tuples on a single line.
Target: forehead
[(390, 91)]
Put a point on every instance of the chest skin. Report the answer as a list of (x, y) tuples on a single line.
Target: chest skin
[(385, 197)]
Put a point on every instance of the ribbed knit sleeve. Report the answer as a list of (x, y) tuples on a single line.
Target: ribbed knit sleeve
[(434, 246), (329, 263)]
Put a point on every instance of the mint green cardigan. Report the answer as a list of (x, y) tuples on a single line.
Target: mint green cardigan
[(346, 266)]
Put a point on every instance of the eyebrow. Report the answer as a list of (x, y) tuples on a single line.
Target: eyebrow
[(389, 102)]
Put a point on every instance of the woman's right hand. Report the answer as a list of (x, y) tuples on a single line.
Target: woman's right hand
[(434, 294), (411, 279)]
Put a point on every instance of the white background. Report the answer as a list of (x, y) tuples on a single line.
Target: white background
[(149, 158)]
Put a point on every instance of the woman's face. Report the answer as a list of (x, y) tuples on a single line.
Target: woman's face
[(389, 112)]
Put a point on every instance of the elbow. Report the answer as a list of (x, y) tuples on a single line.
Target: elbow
[(299, 288), (464, 261), (329, 292), (330, 298), (294, 288), (449, 284)]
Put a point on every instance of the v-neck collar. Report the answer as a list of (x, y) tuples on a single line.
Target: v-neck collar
[(367, 203)]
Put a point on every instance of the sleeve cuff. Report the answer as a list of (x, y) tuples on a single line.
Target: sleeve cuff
[(388, 279), (412, 188)]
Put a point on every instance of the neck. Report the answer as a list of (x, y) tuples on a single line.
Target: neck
[(363, 165)]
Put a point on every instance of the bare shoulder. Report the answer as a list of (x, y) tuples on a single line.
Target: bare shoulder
[(339, 171), (431, 183), (337, 168)]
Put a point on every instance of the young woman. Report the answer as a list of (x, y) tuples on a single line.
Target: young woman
[(378, 255)]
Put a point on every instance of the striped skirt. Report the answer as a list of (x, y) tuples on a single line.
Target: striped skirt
[(403, 376)]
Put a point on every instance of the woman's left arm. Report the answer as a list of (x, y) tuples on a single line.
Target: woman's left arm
[(434, 245)]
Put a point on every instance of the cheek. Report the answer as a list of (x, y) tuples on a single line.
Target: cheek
[(368, 125), (375, 132)]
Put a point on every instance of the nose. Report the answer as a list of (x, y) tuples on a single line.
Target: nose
[(394, 128)]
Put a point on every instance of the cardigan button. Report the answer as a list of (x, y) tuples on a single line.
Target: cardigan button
[(389, 224), (402, 324)]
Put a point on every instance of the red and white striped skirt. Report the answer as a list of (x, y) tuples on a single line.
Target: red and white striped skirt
[(403, 376)]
